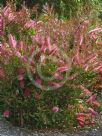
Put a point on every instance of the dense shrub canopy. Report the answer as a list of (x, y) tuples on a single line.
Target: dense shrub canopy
[(64, 8), (33, 51)]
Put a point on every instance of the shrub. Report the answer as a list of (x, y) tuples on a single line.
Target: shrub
[(48, 69), (63, 8)]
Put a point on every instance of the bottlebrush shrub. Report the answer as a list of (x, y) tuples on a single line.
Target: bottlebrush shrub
[(41, 49)]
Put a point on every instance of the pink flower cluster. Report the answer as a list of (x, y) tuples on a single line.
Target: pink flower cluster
[(87, 117), (49, 38)]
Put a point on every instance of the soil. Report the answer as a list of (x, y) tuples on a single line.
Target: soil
[(6, 129)]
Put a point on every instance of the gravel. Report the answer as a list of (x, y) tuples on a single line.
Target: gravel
[(7, 129)]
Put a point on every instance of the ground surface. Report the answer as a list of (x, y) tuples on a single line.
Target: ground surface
[(8, 130)]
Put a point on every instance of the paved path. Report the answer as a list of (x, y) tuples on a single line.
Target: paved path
[(8, 130)]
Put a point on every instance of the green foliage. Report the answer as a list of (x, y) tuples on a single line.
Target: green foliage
[(64, 42), (64, 8), (36, 113)]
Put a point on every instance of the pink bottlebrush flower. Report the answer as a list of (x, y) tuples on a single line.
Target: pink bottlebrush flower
[(81, 40), (61, 63), (42, 58), (22, 84), (38, 81), (18, 54), (1, 45), (99, 43), (81, 107), (43, 47), (97, 65), (93, 113), (20, 46), (89, 123), (81, 119), (20, 71), (91, 99), (7, 12), (81, 124), (55, 109), (80, 115), (26, 92), (96, 30), (20, 77), (77, 58), (93, 36), (6, 114), (62, 69), (86, 67), (11, 17), (32, 63), (100, 70), (36, 38), (31, 50), (54, 84), (30, 24), (96, 104), (12, 41), (93, 59), (25, 59), (48, 44), (89, 57), (72, 77), (86, 92), (53, 51), (58, 76)]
